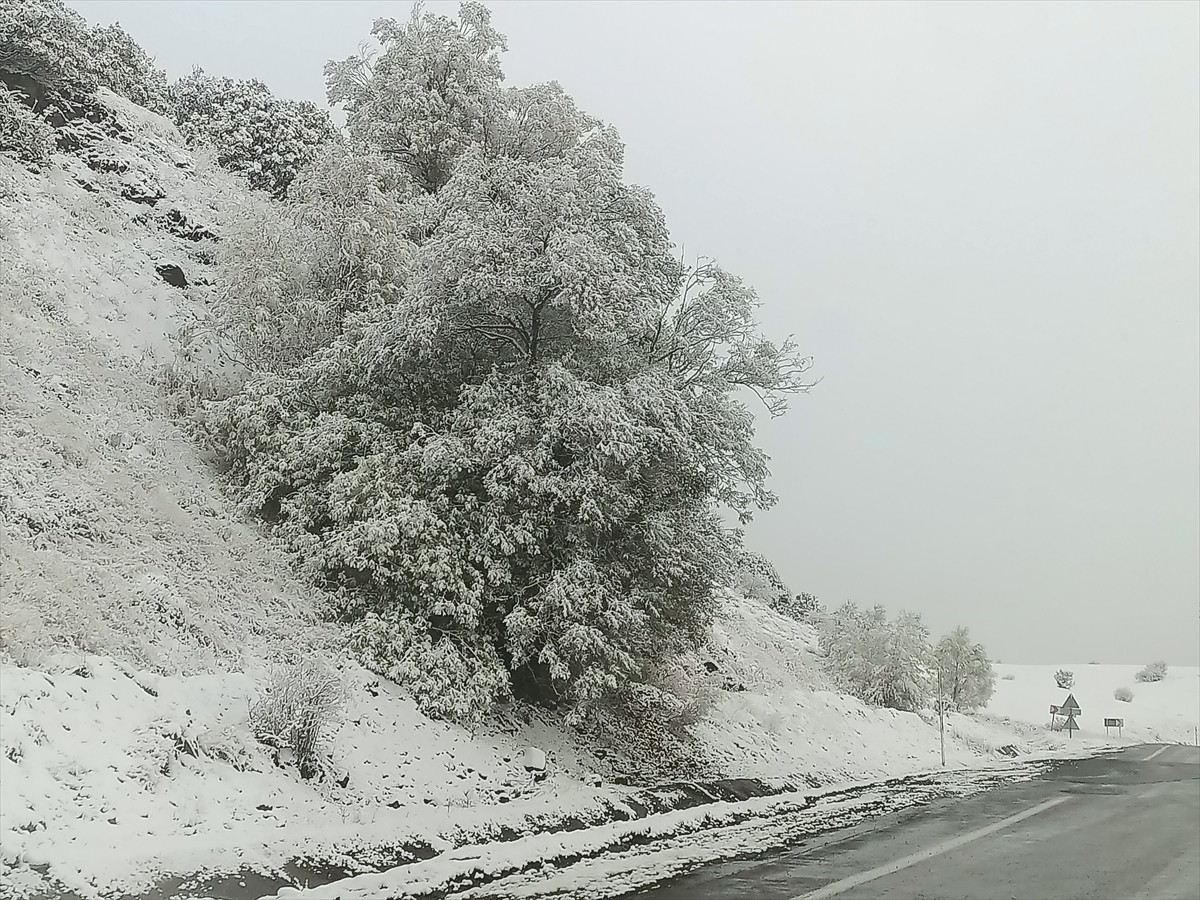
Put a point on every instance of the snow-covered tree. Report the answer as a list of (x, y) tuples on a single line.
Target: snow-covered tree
[(967, 678), (756, 577), (880, 662), (252, 132), (507, 414), (124, 68), (54, 46)]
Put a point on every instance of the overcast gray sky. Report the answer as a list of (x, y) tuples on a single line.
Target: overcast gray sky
[(983, 220)]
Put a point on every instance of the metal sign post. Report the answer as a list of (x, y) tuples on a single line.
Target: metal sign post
[(941, 716), (1114, 723)]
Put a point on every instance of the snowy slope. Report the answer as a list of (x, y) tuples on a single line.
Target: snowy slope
[(140, 615), (115, 535), (1165, 711)]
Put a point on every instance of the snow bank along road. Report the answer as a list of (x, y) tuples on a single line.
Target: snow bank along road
[(1125, 824)]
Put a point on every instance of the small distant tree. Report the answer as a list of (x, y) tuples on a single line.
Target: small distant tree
[(1124, 694), (1064, 679), (757, 578), (802, 607), (966, 673), (1156, 671)]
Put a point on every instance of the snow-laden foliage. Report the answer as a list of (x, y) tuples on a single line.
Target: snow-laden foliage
[(23, 133), (303, 701), (1064, 679), (802, 607), (430, 95), (52, 45), (884, 663), (252, 132), (1156, 671), (757, 578), (1124, 694), (486, 406), (966, 676)]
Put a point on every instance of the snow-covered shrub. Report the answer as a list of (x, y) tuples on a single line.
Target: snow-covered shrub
[(54, 46), (23, 133), (1009, 677), (301, 703), (253, 132), (802, 607), (1064, 679), (1124, 694), (124, 68), (880, 662), (757, 578), (1156, 671), (966, 674), (685, 691), (47, 41), (290, 274)]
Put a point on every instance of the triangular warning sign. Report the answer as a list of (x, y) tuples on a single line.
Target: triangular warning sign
[(1071, 725), (1069, 707)]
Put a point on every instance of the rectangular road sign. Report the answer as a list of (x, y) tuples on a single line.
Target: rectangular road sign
[(1053, 709), (1114, 723)]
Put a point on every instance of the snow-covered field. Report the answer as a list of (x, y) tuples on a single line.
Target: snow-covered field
[(1165, 711), (141, 616)]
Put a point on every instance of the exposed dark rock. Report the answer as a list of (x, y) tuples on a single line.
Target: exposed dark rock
[(179, 225), (171, 274), (143, 193)]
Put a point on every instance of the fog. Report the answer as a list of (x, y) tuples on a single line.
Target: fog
[(982, 220)]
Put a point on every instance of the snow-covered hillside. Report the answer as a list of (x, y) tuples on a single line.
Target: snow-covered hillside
[(1165, 711), (141, 615)]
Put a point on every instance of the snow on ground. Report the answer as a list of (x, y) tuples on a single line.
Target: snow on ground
[(610, 860), (141, 615), (1166, 711), (116, 777), (113, 529)]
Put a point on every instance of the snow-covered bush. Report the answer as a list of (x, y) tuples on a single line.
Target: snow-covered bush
[(1009, 677), (1064, 679), (301, 703), (54, 46), (124, 68), (1124, 694), (884, 663), (290, 274), (686, 691), (1156, 671), (966, 674), (757, 578), (801, 607), (47, 41), (252, 132), (23, 133)]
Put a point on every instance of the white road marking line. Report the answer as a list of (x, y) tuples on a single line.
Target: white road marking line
[(1154, 754), (838, 887)]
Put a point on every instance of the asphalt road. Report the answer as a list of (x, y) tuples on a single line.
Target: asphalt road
[(1122, 825)]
